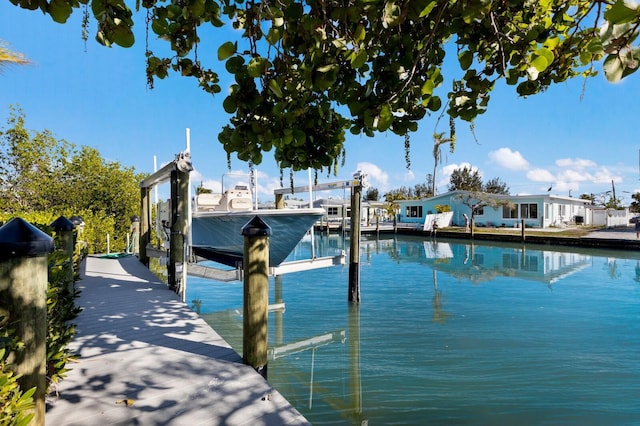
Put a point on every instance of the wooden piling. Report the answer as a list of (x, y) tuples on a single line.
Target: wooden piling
[(63, 228), (145, 224), (279, 201), (256, 294), (179, 228), (354, 244), (23, 304)]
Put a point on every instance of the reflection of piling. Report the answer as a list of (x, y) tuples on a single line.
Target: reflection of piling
[(354, 240), (355, 382), (256, 294), (279, 323), (522, 230), (23, 304)]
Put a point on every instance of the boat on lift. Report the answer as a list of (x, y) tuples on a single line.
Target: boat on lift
[(217, 222)]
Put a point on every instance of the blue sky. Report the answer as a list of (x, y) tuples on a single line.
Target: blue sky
[(91, 95)]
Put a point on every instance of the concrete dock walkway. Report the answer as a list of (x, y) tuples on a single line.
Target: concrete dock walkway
[(147, 359)]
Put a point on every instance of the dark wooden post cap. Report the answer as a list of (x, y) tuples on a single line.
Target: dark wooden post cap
[(20, 238), (256, 227), (62, 224)]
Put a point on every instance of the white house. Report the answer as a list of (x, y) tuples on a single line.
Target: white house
[(538, 211)]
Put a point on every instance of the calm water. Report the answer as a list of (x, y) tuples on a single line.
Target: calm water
[(451, 333)]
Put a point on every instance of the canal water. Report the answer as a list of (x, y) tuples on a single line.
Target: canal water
[(451, 332)]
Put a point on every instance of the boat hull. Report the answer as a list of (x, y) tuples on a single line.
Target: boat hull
[(218, 236)]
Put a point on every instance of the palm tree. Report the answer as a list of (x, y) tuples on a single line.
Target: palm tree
[(438, 139), (8, 57)]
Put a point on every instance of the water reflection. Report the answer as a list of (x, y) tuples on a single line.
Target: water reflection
[(428, 344)]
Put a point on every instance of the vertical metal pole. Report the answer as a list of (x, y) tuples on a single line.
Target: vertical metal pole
[(256, 294)]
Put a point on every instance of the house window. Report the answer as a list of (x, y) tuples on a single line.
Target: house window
[(414, 211), (332, 211), (479, 211), (529, 211), (510, 212), (530, 264), (510, 261)]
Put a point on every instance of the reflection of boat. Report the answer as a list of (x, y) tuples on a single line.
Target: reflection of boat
[(217, 223)]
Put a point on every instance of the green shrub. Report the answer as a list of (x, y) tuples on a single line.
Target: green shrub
[(61, 310), (14, 403)]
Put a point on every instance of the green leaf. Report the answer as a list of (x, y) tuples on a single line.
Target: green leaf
[(97, 7), (274, 35), (542, 58), (198, 8), (327, 68), (427, 87), (359, 33), (427, 9), (226, 50), (613, 68), (385, 118), (159, 26), (435, 103), (465, 58), (229, 104), (234, 64), (102, 39), (123, 36), (275, 88), (359, 58), (595, 46), (620, 13), (257, 66), (59, 10)]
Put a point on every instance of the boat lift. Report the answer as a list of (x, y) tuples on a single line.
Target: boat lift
[(183, 263)]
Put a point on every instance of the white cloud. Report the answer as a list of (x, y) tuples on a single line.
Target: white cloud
[(198, 178), (540, 175), (409, 176), (570, 175), (512, 160), (449, 168), (376, 177), (575, 174), (577, 163), (562, 186), (603, 175)]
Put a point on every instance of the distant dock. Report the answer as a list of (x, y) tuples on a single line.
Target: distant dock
[(147, 359)]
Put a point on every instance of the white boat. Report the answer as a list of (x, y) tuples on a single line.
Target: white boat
[(218, 219)]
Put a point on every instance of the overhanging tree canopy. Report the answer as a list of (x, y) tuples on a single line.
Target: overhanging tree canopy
[(306, 71)]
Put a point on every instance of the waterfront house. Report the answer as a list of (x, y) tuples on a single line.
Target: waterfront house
[(537, 211)]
